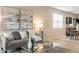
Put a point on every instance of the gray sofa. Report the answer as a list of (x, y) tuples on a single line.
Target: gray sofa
[(13, 40)]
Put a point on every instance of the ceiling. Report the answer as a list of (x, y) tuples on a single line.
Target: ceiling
[(71, 9)]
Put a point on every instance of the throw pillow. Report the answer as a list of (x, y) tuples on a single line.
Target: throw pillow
[(27, 33), (23, 34), (9, 35), (16, 35)]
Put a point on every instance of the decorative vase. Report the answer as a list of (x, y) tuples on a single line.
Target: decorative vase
[(29, 43)]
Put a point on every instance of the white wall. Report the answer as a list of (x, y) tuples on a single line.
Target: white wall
[(44, 14), (51, 33), (1, 21)]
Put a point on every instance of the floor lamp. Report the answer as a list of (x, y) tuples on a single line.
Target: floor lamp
[(40, 26)]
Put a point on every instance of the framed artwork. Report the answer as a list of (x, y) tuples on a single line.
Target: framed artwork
[(16, 19), (26, 20), (10, 17)]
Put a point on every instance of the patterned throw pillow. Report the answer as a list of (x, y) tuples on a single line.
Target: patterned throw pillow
[(16, 35)]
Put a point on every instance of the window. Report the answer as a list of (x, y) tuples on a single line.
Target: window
[(57, 21)]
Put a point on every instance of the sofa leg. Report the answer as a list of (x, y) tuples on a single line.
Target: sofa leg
[(5, 51), (1, 48)]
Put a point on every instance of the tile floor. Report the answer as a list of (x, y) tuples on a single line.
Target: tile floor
[(70, 46)]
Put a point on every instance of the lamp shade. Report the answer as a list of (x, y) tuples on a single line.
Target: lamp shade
[(71, 25), (39, 25)]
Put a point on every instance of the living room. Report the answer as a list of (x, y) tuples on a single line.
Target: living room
[(53, 32)]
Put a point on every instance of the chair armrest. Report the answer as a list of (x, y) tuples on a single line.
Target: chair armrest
[(4, 44)]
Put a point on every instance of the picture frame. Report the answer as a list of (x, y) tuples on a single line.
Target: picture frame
[(17, 19)]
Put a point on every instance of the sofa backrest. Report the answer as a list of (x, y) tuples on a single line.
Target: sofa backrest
[(16, 35)]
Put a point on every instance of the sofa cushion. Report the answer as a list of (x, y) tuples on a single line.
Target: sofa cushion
[(17, 43), (23, 34), (9, 35), (16, 35)]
